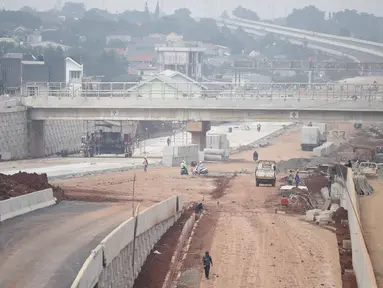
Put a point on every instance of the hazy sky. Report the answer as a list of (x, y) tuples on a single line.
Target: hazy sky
[(270, 9)]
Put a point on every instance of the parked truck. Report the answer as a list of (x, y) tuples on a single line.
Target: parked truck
[(100, 142), (265, 172), (310, 138), (322, 130)]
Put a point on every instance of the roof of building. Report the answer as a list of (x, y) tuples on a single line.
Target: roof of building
[(14, 55), (167, 77), (171, 74), (75, 60), (142, 57)]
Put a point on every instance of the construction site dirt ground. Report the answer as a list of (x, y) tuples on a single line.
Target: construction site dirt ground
[(250, 244), (371, 218)]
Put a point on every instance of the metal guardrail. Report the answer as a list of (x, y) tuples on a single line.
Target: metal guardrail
[(218, 90), (308, 66)]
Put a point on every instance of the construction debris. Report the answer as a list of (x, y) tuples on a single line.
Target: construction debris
[(304, 163), (362, 186)]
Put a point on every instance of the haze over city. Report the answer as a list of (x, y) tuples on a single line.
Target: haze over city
[(270, 9)]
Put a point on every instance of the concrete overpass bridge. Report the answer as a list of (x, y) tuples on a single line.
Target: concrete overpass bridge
[(224, 102), (296, 102)]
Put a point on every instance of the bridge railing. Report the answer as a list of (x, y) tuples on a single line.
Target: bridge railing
[(218, 90), (307, 65)]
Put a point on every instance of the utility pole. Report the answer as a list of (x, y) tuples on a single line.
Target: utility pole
[(134, 184)]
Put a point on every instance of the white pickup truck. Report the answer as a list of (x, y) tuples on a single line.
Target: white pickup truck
[(265, 172)]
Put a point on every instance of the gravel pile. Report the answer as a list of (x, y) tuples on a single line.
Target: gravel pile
[(303, 163)]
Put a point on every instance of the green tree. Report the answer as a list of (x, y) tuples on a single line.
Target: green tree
[(244, 13), (9, 20), (310, 18), (73, 9), (157, 12)]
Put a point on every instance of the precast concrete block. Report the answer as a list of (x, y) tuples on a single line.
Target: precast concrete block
[(334, 207), (20, 205), (346, 244), (325, 193), (209, 157), (311, 214), (213, 141)]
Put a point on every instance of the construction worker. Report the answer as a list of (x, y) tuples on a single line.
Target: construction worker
[(290, 178), (297, 178), (349, 164), (206, 261), (145, 163), (284, 202)]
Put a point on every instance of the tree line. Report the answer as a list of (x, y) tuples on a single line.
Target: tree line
[(349, 23)]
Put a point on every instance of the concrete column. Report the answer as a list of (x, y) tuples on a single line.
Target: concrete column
[(199, 138), (198, 131), (36, 137)]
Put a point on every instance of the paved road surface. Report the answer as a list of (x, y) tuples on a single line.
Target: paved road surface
[(47, 248)]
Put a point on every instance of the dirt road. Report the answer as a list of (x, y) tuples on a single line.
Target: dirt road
[(252, 246), (46, 248), (371, 215)]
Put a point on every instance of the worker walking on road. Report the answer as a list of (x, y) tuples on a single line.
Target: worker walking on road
[(145, 163), (206, 260), (297, 178)]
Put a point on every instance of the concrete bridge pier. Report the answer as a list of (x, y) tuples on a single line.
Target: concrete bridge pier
[(198, 131), (36, 138)]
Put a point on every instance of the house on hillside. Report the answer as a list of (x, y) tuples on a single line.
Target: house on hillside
[(168, 84), (141, 58), (30, 75), (174, 37), (144, 71), (118, 37)]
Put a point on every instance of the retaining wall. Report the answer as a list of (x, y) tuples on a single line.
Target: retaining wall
[(59, 134), (360, 258), (117, 261), (26, 203)]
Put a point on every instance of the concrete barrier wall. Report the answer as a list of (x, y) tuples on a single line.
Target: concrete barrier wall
[(126, 248), (360, 258), (91, 270), (26, 203), (174, 155)]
